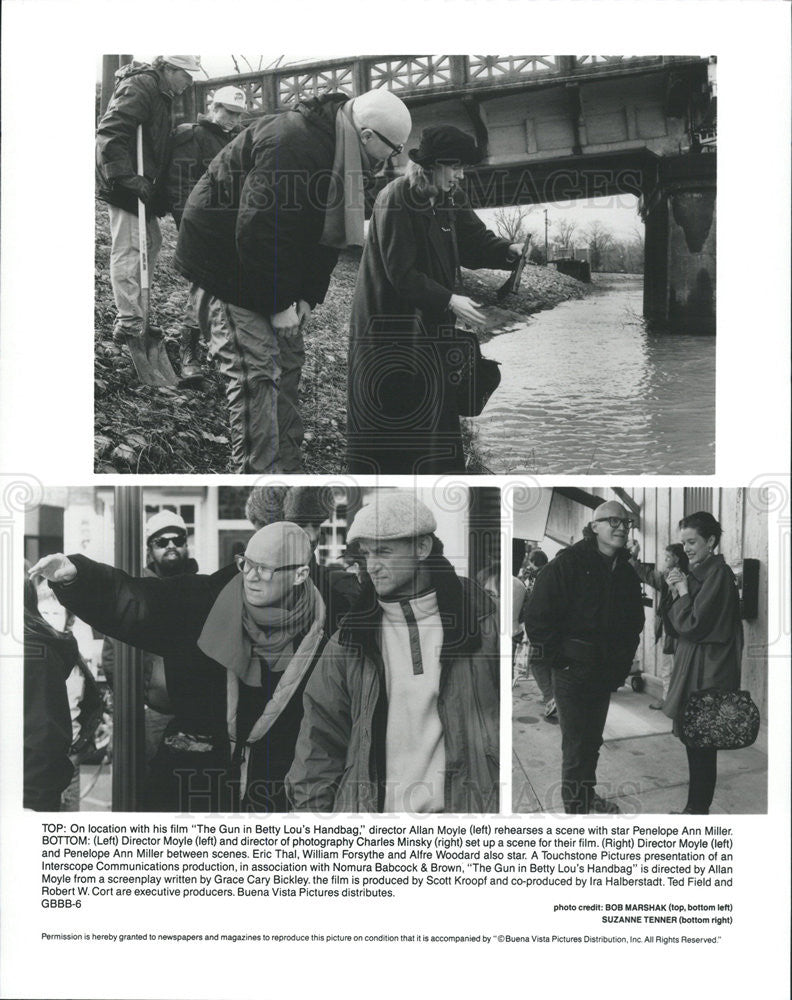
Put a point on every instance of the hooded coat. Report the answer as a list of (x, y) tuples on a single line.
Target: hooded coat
[(339, 763), (167, 616), (141, 97), (251, 227), (403, 415)]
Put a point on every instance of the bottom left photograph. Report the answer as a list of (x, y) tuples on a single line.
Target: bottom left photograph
[(262, 649)]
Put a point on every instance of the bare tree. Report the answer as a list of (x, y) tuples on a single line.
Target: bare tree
[(599, 239), (511, 222), (564, 232), (249, 60)]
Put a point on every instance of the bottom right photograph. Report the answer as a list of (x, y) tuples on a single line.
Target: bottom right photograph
[(639, 654)]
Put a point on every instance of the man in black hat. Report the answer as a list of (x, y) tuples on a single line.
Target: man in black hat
[(407, 361)]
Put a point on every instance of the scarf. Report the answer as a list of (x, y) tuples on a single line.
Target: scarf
[(345, 212), (238, 635)]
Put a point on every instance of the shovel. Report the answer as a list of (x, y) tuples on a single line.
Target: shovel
[(148, 353)]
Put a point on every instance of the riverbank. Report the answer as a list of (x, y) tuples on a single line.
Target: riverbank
[(143, 430)]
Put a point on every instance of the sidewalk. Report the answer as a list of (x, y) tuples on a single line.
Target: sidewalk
[(642, 767)]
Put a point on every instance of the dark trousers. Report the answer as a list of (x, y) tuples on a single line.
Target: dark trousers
[(703, 767), (582, 700)]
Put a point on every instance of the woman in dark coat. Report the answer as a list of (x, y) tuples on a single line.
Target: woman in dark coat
[(706, 618), (404, 356)]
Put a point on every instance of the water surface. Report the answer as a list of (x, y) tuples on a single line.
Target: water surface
[(587, 389)]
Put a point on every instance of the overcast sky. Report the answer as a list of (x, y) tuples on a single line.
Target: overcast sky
[(619, 213)]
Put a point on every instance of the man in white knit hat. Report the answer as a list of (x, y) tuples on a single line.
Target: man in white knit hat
[(261, 233), (401, 713)]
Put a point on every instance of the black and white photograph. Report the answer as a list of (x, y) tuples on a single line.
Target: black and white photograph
[(640, 651), (408, 265), (395, 499), (264, 649)]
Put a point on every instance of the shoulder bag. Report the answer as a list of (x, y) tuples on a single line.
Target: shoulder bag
[(719, 720)]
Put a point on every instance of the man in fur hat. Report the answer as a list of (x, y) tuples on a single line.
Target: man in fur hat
[(241, 644), (584, 618), (401, 713)]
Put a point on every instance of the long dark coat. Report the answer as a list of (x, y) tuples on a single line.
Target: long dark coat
[(402, 409), (707, 621)]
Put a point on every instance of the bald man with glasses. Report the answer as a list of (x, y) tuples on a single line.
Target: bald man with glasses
[(584, 619), (239, 647), (261, 233)]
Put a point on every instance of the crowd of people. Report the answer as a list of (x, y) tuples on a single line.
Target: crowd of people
[(264, 205), (584, 616), (277, 684)]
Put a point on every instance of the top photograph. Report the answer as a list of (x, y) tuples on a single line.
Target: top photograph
[(405, 265)]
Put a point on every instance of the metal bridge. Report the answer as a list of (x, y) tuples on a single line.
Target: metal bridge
[(556, 128)]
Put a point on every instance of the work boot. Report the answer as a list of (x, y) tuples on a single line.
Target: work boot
[(188, 354)]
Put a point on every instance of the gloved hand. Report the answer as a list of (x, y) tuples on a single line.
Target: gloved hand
[(140, 186)]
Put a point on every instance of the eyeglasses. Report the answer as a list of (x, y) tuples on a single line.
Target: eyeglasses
[(260, 572), (388, 143), (163, 541), (614, 522)]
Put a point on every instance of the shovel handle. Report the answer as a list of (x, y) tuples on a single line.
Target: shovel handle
[(143, 239)]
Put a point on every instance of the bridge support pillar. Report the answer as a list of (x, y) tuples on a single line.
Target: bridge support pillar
[(679, 265)]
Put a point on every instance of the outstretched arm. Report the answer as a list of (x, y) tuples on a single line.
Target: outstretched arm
[(149, 613)]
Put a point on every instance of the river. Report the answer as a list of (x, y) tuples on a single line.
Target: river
[(586, 389)]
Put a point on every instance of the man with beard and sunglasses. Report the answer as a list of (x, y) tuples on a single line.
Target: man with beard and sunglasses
[(584, 619), (261, 233), (239, 647)]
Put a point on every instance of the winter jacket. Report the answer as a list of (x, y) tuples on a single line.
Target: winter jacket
[(403, 354), (47, 733), (155, 679), (251, 227), (340, 765), (166, 616), (595, 603), (193, 146), (141, 96)]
